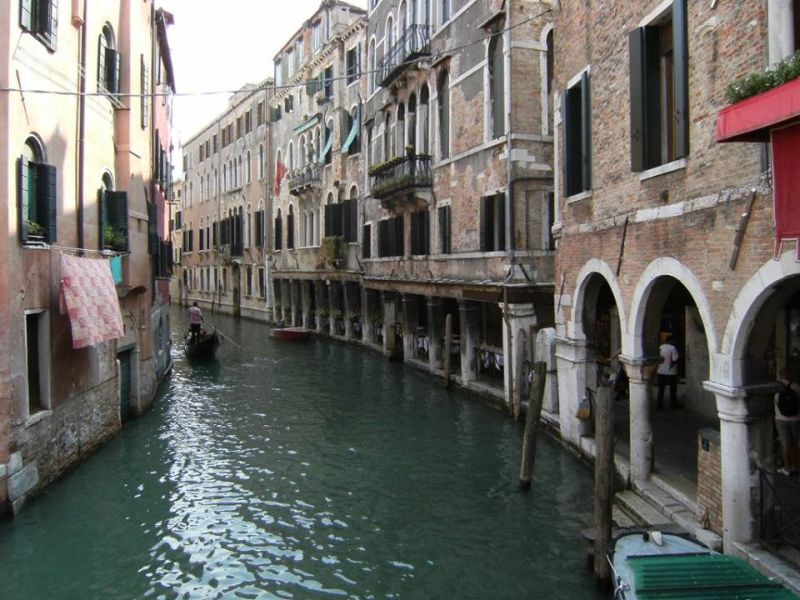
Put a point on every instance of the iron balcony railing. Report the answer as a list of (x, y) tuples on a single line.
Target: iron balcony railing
[(400, 175), (301, 179), (415, 41)]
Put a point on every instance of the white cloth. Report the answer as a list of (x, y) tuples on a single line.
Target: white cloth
[(195, 316), (669, 360)]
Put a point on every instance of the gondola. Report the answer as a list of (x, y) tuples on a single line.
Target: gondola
[(203, 346), (294, 334)]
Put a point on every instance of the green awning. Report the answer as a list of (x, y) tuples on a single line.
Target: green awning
[(307, 125), (351, 136), (701, 577), (327, 148)]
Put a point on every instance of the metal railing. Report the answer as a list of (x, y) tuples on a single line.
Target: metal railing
[(299, 179), (780, 510), (400, 174), (415, 41)]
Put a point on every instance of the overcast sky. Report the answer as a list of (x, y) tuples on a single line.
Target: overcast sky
[(223, 45)]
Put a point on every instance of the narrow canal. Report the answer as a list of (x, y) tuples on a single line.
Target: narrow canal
[(305, 471)]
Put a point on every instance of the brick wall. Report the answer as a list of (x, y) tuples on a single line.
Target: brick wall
[(709, 477)]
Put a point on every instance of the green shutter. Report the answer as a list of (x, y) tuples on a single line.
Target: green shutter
[(636, 50), (26, 14), (101, 218), (22, 197), (586, 132), (680, 45), (116, 209), (47, 200)]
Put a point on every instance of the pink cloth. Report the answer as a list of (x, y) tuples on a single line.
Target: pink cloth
[(89, 297)]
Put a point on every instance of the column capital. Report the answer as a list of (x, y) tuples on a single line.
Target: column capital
[(640, 369)]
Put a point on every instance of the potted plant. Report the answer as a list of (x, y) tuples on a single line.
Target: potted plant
[(35, 229)]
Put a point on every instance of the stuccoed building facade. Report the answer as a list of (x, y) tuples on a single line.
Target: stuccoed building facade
[(224, 207), (318, 173), (457, 211), (78, 175), (661, 230)]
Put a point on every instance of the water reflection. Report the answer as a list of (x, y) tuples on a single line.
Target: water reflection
[(305, 471)]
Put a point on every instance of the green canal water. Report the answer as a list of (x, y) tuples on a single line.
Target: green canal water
[(305, 471)]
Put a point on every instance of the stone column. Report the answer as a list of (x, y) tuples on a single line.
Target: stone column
[(389, 302), (571, 363), (320, 299), (470, 335), (435, 333), (545, 349), (285, 301), (409, 325), (640, 372), (780, 27), (739, 475), (518, 320), (305, 294), (366, 315), (347, 292)]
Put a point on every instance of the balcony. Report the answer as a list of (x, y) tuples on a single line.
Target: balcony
[(415, 42), (302, 180), (400, 175)]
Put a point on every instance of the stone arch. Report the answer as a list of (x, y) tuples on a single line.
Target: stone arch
[(599, 267), (762, 286), (665, 267)]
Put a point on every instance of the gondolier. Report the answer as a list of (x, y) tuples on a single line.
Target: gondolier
[(195, 321)]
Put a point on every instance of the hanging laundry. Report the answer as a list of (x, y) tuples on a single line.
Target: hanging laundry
[(89, 297)]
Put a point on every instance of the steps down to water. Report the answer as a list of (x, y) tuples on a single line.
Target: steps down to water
[(652, 507)]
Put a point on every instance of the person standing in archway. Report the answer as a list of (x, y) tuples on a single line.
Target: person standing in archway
[(668, 372)]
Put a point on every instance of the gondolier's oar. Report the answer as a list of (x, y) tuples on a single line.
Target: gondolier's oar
[(227, 338)]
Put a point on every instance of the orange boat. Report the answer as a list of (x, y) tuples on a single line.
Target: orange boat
[(294, 334)]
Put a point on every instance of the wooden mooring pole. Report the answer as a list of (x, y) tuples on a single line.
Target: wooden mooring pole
[(448, 342), (532, 424), (603, 484)]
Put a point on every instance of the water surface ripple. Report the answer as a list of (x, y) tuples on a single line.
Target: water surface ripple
[(311, 471)]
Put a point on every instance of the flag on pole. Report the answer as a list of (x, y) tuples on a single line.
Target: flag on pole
[(280, 171)]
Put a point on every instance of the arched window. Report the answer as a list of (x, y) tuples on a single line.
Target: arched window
[(443, 93), (400, 130), (388, 38), (402, 24), (301, 159), (248, 239), (354, 193), (317, 145), (424, 119), (372, 67), (261, 161), (225, 177), (290, 156), (290, 228), (239, 172), (411, 125), (278, 231), (248, 167), (548, 87), (108, 62), (496, 67), (327, 151), (387, 136)]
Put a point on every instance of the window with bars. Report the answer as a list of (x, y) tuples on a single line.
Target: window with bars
[(37, 197), (366, 241), (444, 229), (144, 81), (352, 66), (420, 232), (108, 63)]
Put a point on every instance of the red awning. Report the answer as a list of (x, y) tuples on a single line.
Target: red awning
[(751, 120)]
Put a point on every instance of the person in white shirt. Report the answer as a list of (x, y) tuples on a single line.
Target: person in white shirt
[(195, 321), (668, 372), (788, 425)]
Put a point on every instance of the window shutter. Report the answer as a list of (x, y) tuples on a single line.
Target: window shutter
[(112, 65), (487, 223), (145, 85), (116, 207), (586, 132), (47, 20), (152, 229), (353, 221), (26, 14), (680, 45), (400, 249), (101, 65), (278, 239), (637, 78), (328, 220), (47, 199), (366, 241), (500, 222), (22, 197), (415, 242), (101, 217), (569, 140), (337, 219)]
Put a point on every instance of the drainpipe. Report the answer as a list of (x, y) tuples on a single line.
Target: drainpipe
[(268, 242), (82, 129), (509, 167)]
